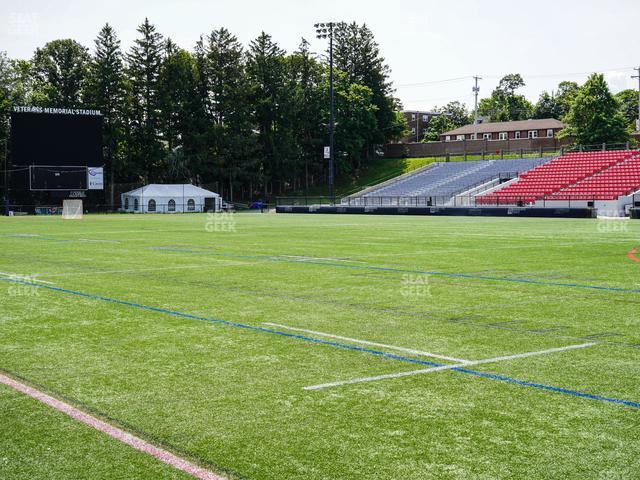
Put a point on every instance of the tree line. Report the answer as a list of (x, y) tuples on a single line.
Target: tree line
[(593, 115), (251, 118)]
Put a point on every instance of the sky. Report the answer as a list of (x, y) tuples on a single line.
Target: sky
[(432, 47)]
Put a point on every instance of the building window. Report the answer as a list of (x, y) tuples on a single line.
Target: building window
[(171, 207), (459, 137), (447, 138), (126, 203), (136, 204), (191, 205), (486, 136), (413, 117), (413, 130), (503, 135), (425, 118), (533, 133), (472, 136), (151, 206), (517, 135), (550, 133)]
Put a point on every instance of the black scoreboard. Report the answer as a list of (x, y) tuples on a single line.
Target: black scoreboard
[(53, 149)]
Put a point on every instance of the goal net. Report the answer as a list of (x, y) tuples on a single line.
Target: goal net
[(72, 209)]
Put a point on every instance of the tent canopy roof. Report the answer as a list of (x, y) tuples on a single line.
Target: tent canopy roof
[(171, 190)]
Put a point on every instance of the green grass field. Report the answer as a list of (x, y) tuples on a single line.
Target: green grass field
[(201, 336)]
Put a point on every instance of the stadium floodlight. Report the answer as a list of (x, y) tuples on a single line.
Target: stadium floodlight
[(324, 31)]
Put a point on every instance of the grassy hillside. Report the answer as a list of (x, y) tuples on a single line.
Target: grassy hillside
[(376, 171), (383, 169)]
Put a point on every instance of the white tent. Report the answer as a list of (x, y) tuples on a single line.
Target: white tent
[(156, 198)]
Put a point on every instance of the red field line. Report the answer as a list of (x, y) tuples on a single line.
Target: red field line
[(632, 255), (114, 432)]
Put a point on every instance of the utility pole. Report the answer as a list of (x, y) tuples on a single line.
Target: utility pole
[(476, 91), (638, 77)]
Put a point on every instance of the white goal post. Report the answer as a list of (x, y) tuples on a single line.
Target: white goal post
[(72, 209)]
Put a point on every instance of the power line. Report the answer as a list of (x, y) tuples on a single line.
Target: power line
[(570, 74), (433, 82), (441, 99), (526, 76)]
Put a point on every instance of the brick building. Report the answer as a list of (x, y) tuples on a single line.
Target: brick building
[(418, 121), (521, 129)]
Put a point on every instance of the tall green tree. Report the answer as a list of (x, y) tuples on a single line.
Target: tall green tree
[(306, 80), (6, 87), (437, 126), (181, 113), (59, 70), (144, 62), (16, 87), (357, 54), (565, 95), (546, 107), (556, 104), (105, 90), (594, 117), (505, 104), (457, 113), (228, 104), (628, 100), (356, 123), (266, 73)]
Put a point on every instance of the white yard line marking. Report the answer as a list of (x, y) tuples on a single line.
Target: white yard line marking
[(372, 344), (302, 258), (25, 278), (446, 367), (114, 432), (97, 241)]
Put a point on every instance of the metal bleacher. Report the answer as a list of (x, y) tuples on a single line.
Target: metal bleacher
[(449, 179)]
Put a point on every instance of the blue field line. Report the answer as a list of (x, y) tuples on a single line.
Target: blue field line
[(344, 346), (33, 237), (275, 258), (541, 386)]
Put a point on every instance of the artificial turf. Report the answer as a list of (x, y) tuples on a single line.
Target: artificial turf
[(158, 323)]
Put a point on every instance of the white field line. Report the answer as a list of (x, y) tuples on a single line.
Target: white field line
[(24, 278), (114, 432), (302, 258), (421, 353), (97, 241), (446, 367)]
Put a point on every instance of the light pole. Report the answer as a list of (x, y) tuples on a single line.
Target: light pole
[(324, 31), (5, 200)]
